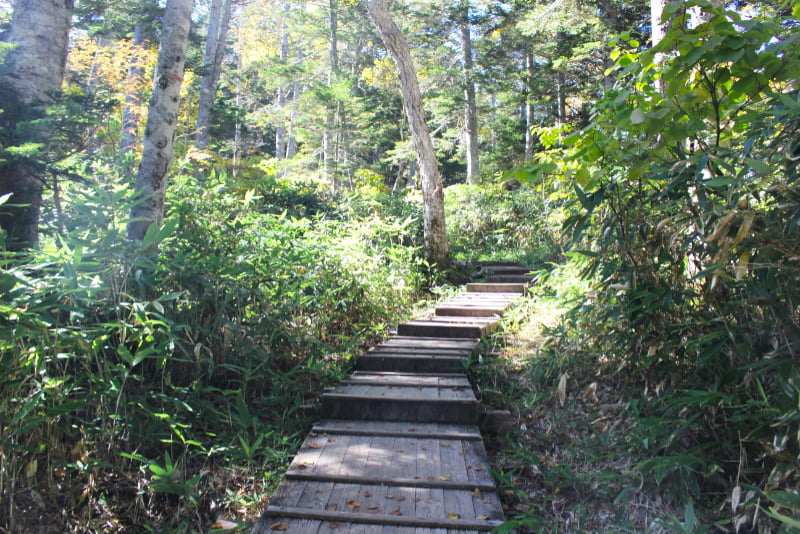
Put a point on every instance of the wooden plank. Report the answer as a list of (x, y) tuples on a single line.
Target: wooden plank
[(507, 269), (436, 342), (453, 410), (448, 326), (470, 311), (497, 288), (509, 279), (410, 363), (382, 519), (407, 379), (395, 428), (423, 351)]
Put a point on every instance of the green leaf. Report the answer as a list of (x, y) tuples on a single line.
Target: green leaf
[(787, 499)]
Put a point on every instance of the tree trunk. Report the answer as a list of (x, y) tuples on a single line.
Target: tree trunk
[(659, 28), (130, 113), (528, 108), (212, 66), (280, 129), (435, 238), (471, 109), (162, 118), (33, 70), (328, 145)]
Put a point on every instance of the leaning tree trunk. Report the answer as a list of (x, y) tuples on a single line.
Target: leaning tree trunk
[(32, 72), (162, 117), (471, 109), (432, 193)]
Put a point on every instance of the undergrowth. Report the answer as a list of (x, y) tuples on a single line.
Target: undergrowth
[(160, 386)]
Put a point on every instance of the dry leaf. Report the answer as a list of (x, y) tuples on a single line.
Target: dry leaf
[(367, 494), (399, 450), (562, 389), (373, 507), (396, 511), (336, 525), (736, 498), (314, 446), (445, 477), (225, 525), (400, 499), (417, 499), (352, 504), (453, 516), (283, 525), (443, 444), (477, 493), (480, 468), (331, 440), (31, 468), (591, 392), (482, 517)]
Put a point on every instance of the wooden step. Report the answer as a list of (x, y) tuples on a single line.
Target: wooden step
[(496, 288), (465, 310), (507, 269), (422, 351), (414, 362), (352, 427), (370, 505), (422, 403), (459, 380), (508, 279), (449, 326), (423, 462), (431, 342)]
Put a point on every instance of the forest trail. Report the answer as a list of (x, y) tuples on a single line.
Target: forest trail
[(399, 449)]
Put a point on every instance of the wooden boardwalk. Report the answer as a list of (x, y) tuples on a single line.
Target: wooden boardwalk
[(398, 450)]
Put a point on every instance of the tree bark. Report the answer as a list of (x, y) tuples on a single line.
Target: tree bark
[(162, 118), (33, 71), (528, 108), (435, 238), (471, 109), (212, 66), (280, 129), (133, 79)]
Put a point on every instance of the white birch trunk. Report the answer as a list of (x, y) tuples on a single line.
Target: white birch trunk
[(471, 108), (162, 118), (33, 70)]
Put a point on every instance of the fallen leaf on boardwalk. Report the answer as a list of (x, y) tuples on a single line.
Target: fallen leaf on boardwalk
[(482, 517), (225, 525), (423, 448), (390, 496), (399, 450), (315, 446), (367, 494), (331, 440), (487, 501), (353, 504), (480, 468), (283, 525), (373, 507), (401, 498), (308, 462), (412, 429), (417, 499), (336, 525), (477, 493), (302, 466), (453, 516), (445, 477), (396, 511), (444, 444), (313, 434)]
